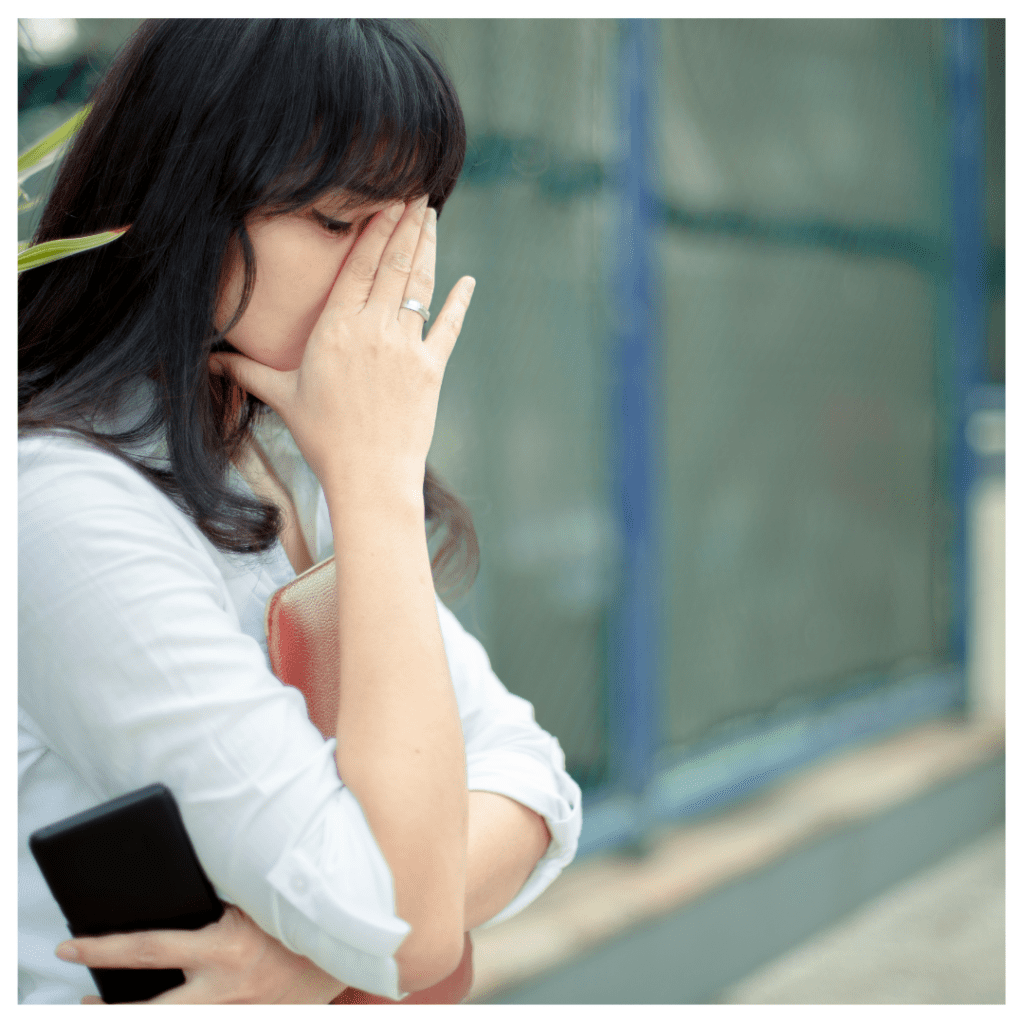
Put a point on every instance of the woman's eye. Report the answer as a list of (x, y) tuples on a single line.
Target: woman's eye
[(333, 227)]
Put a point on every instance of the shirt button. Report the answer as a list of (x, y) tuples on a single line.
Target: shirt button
[(299, 884)]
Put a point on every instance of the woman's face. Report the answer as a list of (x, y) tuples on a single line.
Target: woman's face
[(298, 257)]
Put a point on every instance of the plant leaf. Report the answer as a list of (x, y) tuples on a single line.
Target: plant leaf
[(58, 248), (48, 148)]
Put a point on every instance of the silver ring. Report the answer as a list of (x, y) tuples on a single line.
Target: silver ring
[(417, 307)]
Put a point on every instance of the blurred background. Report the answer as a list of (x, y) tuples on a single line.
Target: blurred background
[(728, 406)]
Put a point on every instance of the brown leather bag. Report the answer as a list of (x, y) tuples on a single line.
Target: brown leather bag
[(302, 638)]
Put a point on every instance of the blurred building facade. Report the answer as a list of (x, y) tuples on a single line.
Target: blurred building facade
[(810, 372)]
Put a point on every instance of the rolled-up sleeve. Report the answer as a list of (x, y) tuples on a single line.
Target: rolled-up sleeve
[(507, 752), (133, 664)]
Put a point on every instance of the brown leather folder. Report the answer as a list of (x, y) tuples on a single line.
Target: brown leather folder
[(302, 638)]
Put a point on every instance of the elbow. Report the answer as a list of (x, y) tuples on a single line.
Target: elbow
[(541, 836), (427, 964)]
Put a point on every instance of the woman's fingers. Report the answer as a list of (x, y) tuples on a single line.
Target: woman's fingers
[(420, 285), (445, 332), (154, 949), (396, 263), (186, 993), (267, 384), (393, 259), (195, 990), (352, 288)]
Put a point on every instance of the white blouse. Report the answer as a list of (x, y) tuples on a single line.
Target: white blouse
[(142, 658)]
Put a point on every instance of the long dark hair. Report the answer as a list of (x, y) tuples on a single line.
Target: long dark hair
[(196, 125)]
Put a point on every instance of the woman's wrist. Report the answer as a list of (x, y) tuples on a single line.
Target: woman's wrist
[(379, 504)]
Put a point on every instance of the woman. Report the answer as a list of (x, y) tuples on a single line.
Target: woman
[(281, 180)]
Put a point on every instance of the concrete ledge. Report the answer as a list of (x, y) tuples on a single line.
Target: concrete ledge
[(605, 904), (938, 938)]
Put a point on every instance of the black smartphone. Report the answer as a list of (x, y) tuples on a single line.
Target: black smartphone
[(127, 866)]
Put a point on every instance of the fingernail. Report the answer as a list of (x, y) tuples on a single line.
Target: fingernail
[(66, 951), (472, 285), (431, 216), (395, 212)]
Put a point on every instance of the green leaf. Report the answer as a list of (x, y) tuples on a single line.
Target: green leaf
[(48, 148), (47, 252)]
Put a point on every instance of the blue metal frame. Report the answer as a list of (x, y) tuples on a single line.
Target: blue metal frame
[(633, 633), (965, 48)]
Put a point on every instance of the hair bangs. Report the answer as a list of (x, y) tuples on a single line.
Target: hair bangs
[(385, 126)]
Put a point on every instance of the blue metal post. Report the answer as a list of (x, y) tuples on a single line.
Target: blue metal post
[(965, 56), (634, 632)]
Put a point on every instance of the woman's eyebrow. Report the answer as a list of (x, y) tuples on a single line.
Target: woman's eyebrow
[(338, 218), (347, 211)]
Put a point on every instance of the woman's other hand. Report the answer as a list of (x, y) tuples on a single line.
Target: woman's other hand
[(362, 403), (230, 961)]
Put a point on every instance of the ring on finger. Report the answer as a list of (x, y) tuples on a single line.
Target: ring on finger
[(417, 307)]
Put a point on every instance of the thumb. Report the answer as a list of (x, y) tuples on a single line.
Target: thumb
[(264, 382)]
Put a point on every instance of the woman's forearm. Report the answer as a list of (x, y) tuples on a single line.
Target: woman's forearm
[(400, 747), (506, 840)]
